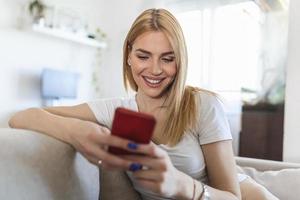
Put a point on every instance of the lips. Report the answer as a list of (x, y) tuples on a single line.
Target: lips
[(153, 82)]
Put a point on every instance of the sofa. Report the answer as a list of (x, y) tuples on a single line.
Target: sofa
[(37, 167), (280, 178), (34, 166)]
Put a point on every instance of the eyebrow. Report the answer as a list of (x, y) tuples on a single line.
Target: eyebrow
[(148, 52)]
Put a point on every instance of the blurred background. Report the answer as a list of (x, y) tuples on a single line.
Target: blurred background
[(63, 52)]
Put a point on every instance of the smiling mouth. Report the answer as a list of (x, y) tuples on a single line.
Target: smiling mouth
[(153, 82)]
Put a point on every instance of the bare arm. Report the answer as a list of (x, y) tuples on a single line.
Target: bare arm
[(81, 111), (74, 125), (222, 175), (221, 169), (53, 121)]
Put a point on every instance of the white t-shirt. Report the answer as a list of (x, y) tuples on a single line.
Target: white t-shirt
[(187, 155)]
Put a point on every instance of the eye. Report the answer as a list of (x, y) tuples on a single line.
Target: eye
[(168, 59), (142, 57)]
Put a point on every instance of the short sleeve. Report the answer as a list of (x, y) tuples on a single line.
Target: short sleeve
[(104, 109), (213, 124)]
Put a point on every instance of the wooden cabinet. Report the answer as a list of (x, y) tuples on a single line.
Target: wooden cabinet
[(262, 131)]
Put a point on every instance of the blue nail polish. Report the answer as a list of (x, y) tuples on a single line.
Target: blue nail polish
[(132, 146), (135, 167)]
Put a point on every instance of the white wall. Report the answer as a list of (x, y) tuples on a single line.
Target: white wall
[(23, 53), (291, 151), (23, 56), (116, 18)]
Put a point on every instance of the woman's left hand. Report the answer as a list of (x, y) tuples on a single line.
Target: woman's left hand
[(158, 173)]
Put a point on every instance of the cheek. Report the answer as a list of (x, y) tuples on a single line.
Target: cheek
[(137, 67), (136, 70), (171, 70)]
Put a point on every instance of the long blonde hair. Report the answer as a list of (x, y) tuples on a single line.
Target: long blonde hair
[(182, 110)]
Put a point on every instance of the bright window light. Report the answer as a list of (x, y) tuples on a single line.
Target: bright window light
[(223, 46)]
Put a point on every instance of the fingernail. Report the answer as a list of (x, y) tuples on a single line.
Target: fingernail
[(135, 167), (132, 146)]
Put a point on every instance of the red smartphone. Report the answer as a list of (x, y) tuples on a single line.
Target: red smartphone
[(131, 125)]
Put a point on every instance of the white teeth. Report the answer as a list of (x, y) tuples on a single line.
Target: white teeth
[(152, 81)]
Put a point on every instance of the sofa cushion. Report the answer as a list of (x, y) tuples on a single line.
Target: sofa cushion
[(284, 183), (34, 166)]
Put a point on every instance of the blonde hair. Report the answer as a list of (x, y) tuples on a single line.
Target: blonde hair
[(182, 110)]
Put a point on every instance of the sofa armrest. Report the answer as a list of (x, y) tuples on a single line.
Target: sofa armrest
[(35, 166), (264, 165)]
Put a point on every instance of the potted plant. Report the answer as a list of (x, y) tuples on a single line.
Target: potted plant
[(37, 9)]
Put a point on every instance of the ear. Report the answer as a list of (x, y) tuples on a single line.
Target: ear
[(129, 60)]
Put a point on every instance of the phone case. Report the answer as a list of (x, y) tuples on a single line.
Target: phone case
[(132, 125)]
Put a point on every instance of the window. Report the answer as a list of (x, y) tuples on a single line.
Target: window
[(224, 51), (223, 46), (234, 45)]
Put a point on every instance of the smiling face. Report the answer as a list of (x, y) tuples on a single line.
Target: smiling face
[(152, 62)]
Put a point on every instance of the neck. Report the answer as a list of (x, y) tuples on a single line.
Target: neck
[(149, 104)]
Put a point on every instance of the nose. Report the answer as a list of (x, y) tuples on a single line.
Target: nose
[(156, 68)]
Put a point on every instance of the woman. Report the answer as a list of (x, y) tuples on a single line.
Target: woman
[(191, 154)]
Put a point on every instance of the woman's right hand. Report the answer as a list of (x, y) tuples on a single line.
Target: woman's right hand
[(92, 141)]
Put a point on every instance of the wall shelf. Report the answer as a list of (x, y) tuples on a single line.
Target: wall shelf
[(68, 36)]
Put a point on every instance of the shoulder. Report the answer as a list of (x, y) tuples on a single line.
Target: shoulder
[(208, 100), (212, 121), (210, 107), (201, 96)]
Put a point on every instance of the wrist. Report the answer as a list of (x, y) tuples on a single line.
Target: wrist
[(71, 127), (203, 193), (186, 188), (195, 190)]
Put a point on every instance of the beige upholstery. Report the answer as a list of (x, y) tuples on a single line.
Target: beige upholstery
[(265, 165), (273, 175), (35, 167)]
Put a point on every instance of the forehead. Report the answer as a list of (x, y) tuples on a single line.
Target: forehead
[(155, 42)]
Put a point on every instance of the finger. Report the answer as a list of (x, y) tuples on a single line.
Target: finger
[(150, 149), (91, 159), (119, 142), (106, 139), (105, 130), (115, 141), (96, 153), (149, 162)]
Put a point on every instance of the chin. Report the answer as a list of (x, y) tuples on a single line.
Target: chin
[(154, 94)]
